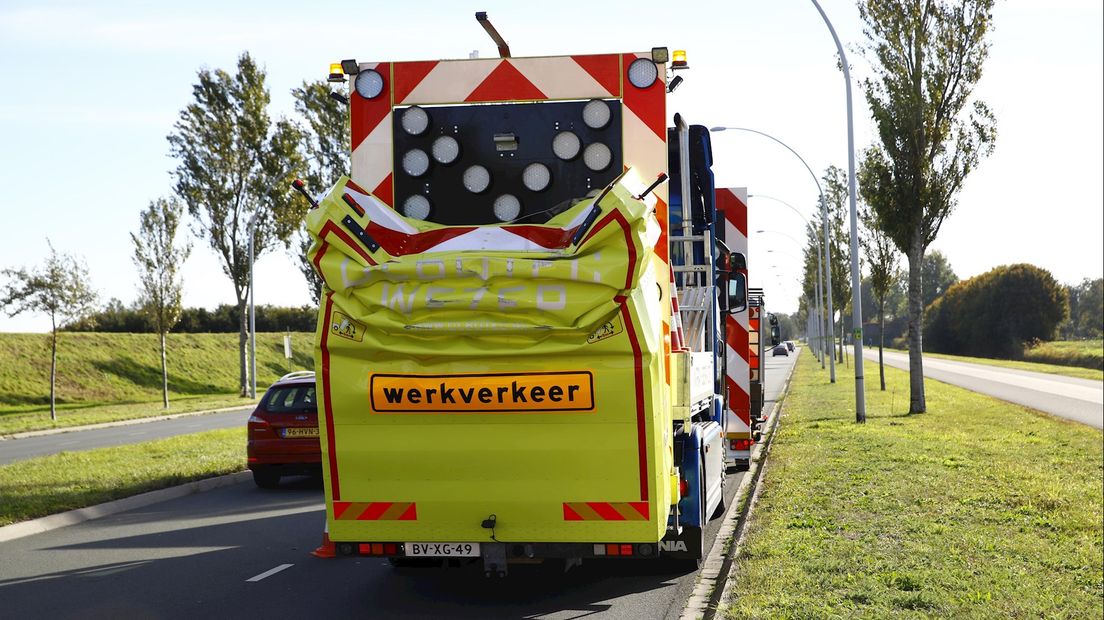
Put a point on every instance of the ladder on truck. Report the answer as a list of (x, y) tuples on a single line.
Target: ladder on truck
[(693, 275)]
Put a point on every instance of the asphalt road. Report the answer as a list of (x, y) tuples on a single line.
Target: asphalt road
[(239, 551), (1081, 400), (25, 448)]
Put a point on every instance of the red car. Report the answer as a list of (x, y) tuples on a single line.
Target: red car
[(283, 431)]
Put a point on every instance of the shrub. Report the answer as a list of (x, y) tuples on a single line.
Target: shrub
[(995, 313)]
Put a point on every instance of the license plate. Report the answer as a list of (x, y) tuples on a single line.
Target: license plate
[(443, 550), (301, 432)]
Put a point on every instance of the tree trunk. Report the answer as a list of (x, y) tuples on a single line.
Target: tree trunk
[(917, 403), (53, 368), (881, 340), (164, 373), (243, 340)]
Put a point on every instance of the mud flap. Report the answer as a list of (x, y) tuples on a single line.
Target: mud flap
[(684, 546)]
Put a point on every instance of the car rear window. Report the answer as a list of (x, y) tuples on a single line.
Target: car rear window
[(291, 399)]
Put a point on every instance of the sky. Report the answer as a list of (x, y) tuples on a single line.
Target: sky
[(89, 91)]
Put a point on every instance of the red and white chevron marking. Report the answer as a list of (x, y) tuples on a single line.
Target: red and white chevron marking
[(732, 204)]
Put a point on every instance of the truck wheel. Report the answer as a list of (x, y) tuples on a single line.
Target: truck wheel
[(266, 479)]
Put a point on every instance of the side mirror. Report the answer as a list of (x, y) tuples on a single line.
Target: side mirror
[(737, 292), (776, 333)]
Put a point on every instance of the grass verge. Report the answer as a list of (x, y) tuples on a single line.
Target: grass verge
[(1084, 353), (38, 420), (978, 508), (1050, 369), (52, 484)]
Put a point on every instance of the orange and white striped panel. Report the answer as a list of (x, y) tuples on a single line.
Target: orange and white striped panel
[(605, 511), (375, 511), (732, 205)]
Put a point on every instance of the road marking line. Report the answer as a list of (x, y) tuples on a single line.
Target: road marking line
[(270, 572)]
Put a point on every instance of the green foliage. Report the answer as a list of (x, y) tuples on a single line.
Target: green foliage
[(926, 57), (158, 259), (108, 369), (937, 275), (48, 485), (1086, 310), (977, 509), (59, 289), (996, 313), (235, 166), (1080, 353), (326, 143), (117, 318)]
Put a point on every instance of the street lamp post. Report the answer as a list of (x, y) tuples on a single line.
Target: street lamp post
[(856, 282), (824, 246), (820, 274)]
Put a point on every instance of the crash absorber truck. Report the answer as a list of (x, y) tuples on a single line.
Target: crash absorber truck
[(520, 343)]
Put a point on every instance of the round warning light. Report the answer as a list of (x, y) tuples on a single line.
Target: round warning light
[(415, 121), (477, 179), (596, 114), (643, 73), (507, 207), (415, 162), (566, 145), (536, 177), (369, 84), (446, 149), (597, 157), (416, 207)]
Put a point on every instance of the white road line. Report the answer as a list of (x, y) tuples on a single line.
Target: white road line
[(270, 572)]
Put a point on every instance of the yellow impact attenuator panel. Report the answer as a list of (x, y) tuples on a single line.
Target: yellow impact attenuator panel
[(513, 370)]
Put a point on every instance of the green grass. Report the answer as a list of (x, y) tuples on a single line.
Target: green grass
[(1083, 353), (1052, 369), (975, 509), (104, 377), (51, 484)]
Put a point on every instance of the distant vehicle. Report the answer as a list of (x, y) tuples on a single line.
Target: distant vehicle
[(790, 345), (283, 431), (781, 349)]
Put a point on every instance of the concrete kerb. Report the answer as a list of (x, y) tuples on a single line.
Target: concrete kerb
[(80, 515), (89, 427), (717, 567)]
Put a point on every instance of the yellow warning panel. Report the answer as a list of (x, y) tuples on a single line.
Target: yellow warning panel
[(536, 392)]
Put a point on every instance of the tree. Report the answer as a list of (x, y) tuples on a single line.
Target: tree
[(1086, 310), (327, 149), (996, 313), (937, 275), (59, 289), (927, 57), (158, 258), (234, 165), (881, 259), (839, 246)]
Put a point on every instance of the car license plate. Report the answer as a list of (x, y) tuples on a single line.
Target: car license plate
[(442, 550), (301, 432)]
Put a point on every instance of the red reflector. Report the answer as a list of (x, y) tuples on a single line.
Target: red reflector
[(684, 488), (365, 548), (251, 459), (626, 549), (741, 444), (390, 549), (377, 548), (613, 550)]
